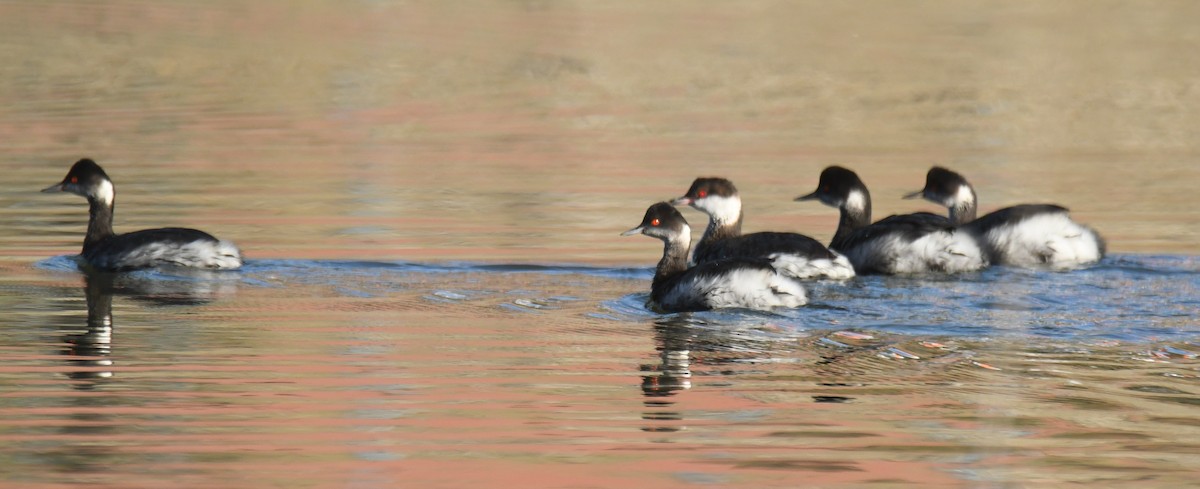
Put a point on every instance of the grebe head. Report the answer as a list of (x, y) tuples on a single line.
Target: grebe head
[(714, 196), (664, 222), (840, 187), (946, 188), (88, 180)]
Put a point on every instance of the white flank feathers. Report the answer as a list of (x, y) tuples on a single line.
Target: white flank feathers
[(750, 288), (803, 268), (225, 255), (1045, 240), (196, 254), (943, 251), (950, 252)]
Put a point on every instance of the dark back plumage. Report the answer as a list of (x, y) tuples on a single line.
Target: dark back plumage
[(1014, 214), (905, 227), (762, 245)]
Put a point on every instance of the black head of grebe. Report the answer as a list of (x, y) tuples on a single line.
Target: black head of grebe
[(950, 190), (664, 222), (86, 179), (841, 188), (716, 197)]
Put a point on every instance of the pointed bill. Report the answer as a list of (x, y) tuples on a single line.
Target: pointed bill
[(811, 196)]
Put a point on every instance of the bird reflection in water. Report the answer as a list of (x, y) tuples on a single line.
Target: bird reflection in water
[(91, 351), (719, 349), (90, 354), (673, 337), (93, 360)]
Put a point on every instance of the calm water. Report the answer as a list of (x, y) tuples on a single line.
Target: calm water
[(430, 196)]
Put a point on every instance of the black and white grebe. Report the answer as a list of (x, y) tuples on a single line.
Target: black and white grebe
[(105, 250), (733, 283), (899, 244), (1027, 235), (794, 255)]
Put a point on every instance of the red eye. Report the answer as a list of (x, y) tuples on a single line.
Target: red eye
[(74, 179), (655, 222), (702, 194)]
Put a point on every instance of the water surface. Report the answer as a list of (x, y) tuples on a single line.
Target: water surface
[(430, 197), (329, 372)]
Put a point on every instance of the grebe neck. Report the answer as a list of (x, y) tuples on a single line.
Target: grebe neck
[(855, 213), (963, 207), (99, 222), (675, 257), (719, 229)]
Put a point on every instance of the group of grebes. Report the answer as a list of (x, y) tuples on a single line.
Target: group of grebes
[(764, 270), (726, 268)]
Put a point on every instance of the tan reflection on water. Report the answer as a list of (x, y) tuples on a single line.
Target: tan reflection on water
[(532, 131), (308, 385)]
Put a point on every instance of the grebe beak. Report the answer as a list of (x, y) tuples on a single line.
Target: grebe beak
[(915, 195), (685, 200), (812, 196), (58, 187), (631, 232)]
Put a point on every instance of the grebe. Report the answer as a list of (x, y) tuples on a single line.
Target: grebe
[(1027, 235), (736, 282), (794, 255), (910, 243), (105, 250)]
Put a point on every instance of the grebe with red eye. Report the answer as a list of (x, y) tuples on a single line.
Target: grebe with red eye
[(105, 250), (910, 243), (1027, 235), (795, 255), (732, 283)]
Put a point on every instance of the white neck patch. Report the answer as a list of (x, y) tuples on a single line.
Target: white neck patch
[(856, 202), (684, 237), (721, 209), (964, 197), (105, 193)]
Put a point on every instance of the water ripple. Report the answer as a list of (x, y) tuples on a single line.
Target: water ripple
[(1127, 297)]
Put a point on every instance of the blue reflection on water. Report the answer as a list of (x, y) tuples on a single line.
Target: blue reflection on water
[(1126, 297)]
